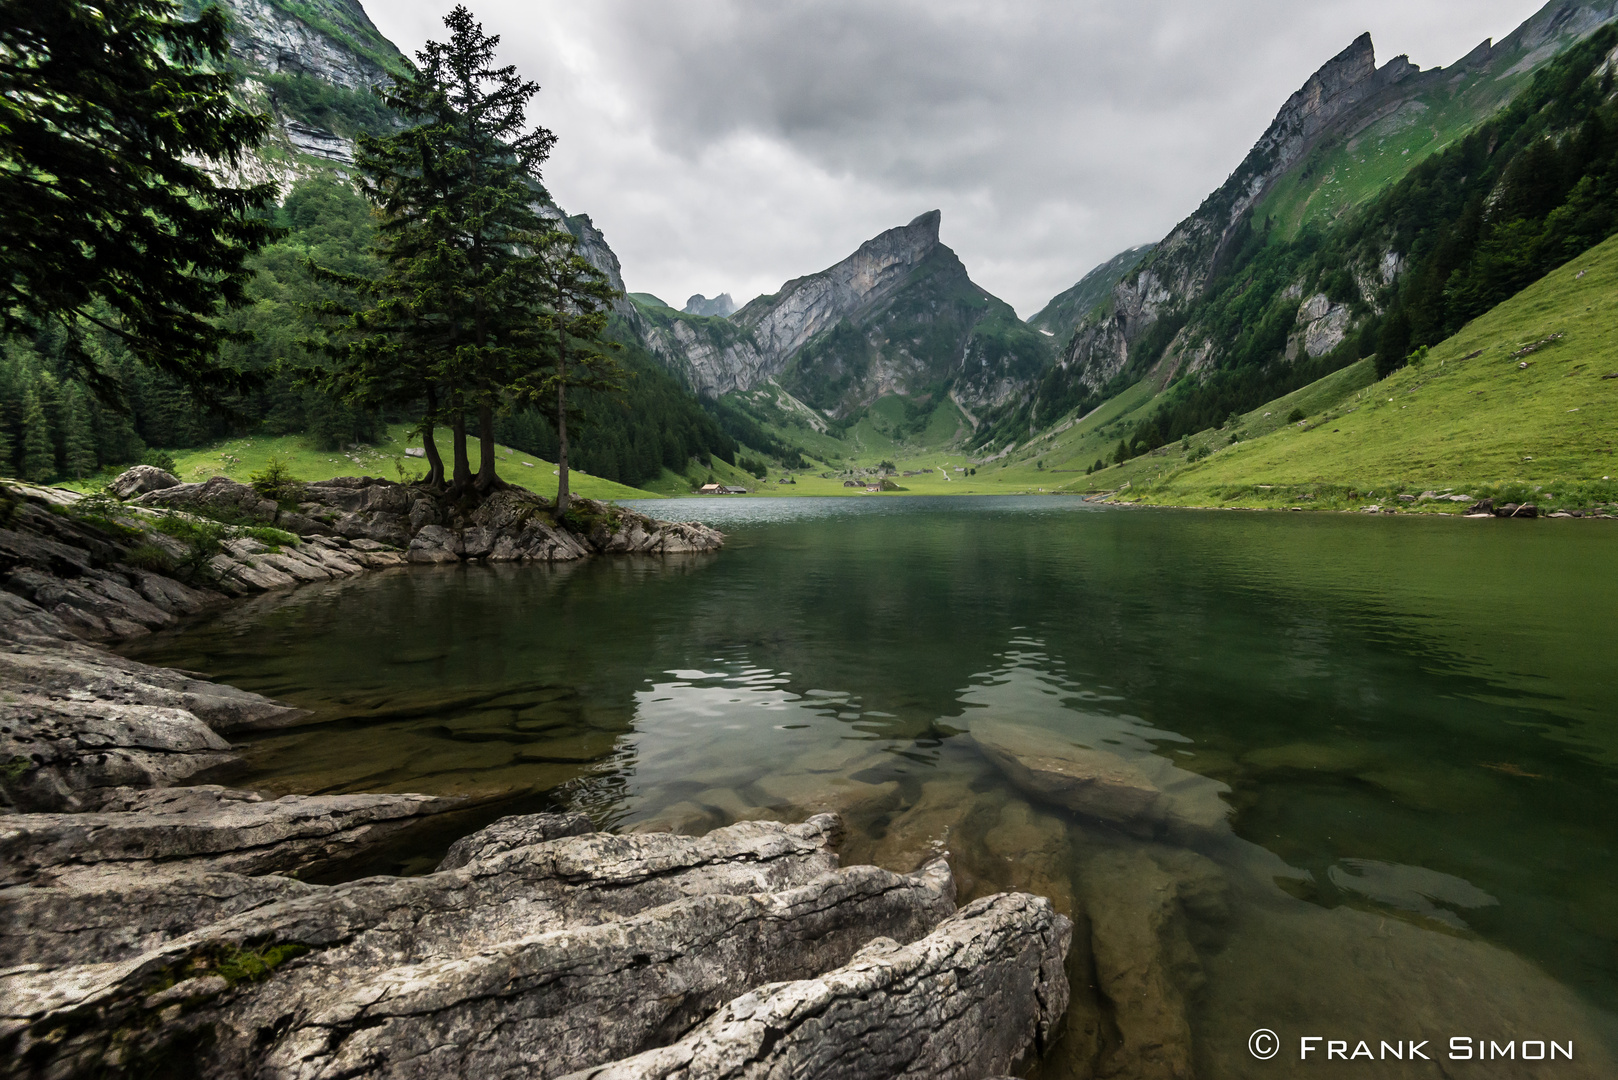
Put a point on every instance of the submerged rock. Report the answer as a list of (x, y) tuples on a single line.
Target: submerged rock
[(1144, 793)]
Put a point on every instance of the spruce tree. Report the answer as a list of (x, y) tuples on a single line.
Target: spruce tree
[(109, 116), (454, 320), (577, 300), (38, 458), (78, 440)]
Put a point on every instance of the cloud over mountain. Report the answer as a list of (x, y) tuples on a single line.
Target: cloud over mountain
[(726, 145)]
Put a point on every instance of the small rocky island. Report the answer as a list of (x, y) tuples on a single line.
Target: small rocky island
[(156, 927)]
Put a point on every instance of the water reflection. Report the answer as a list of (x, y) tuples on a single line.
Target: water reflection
[(1379, 805)]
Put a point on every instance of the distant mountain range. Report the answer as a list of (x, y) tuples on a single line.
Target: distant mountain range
[(901, 316)]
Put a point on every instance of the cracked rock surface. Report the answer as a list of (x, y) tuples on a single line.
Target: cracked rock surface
[(967, 1001), (567, 953)]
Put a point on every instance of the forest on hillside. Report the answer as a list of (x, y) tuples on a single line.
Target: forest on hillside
[(80, 396)]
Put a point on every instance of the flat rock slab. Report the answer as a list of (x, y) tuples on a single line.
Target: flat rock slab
[(970, 1000), (1143, 793), (212, 828)]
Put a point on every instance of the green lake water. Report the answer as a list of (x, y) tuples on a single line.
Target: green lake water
[(1413, 722)]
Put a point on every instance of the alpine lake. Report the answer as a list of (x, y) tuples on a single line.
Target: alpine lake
[(1408, 728)]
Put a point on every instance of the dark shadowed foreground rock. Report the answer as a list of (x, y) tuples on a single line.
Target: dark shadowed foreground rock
[(551, 957), (967, 1001)]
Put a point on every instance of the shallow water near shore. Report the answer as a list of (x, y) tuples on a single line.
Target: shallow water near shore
[(1412, 723)]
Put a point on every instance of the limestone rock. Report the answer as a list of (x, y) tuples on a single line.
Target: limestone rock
[(139, 480), (1140, 924), (112, 912), (208, 827), (219, 495), (1144, 793), (510, 833), (76, 748), (534, 961), (435, 544), (969, 1000)]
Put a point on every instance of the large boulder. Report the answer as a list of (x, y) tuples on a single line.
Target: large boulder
[(217, 497), (139, 480)]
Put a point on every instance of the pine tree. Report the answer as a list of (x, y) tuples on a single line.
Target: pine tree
[(38, 459), (578, 299), (109, 115), (78, 440), (454, 319)]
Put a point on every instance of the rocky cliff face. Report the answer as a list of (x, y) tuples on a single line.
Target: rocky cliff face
[(1182, 264), (807, 306), (332, 41), (1346, 96), (345, 50)]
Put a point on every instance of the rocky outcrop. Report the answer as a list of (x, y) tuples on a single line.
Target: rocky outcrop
[(1322, 326), (558, 954), (139, 480), (267, 37), (357, 518)]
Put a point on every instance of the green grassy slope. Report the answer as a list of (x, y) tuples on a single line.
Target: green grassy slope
[(1479, 416)]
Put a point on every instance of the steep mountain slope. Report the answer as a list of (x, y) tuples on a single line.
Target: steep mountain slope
[(1062, 315), (1300, 170), (1522, 403)]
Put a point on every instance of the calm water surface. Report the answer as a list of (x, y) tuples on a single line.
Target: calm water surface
[(1414, 721)]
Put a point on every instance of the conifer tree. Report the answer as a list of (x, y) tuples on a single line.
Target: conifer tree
[(577, 299), (454, 319), (78, 440), (109, 114), (38, 458)]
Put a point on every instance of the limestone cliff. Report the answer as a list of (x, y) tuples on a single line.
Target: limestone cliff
[(1181, 265), (284, 49)]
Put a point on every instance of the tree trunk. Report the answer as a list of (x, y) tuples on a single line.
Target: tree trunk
[(562, 494), (488, 479), (435, 461), (463, 465)]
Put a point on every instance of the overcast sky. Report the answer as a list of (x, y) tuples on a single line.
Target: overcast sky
[(729, 145)]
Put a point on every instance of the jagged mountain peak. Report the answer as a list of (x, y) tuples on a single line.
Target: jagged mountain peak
[(721, 306)]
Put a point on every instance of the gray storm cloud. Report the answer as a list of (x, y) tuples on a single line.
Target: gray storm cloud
[(726, 146)]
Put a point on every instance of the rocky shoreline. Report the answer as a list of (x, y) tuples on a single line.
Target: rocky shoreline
[(151, 927)]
